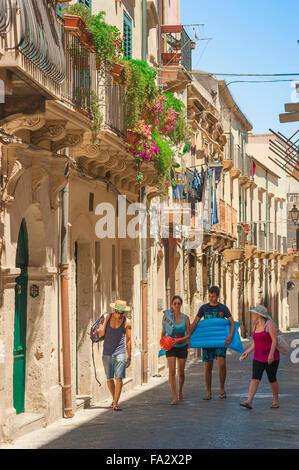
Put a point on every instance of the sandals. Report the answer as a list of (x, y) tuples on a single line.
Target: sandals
[(245, 404), (207, 397), (116, 408), (222, 395), (274, 405)]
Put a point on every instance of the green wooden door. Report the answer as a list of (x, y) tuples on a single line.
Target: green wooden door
[(20, 322)]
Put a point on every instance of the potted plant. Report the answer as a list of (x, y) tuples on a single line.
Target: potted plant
[(74, 24), (171, 28), (76, 17), (171, 58)]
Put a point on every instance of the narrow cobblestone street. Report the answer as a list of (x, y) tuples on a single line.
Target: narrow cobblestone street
[(149, 422)]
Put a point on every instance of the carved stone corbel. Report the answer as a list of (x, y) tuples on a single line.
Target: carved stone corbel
[(19, 162), (20, 122), (52, 130), (71, 139), (91, 151)]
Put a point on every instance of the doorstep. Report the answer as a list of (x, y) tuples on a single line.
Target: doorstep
[(28, 422), (82, 402)]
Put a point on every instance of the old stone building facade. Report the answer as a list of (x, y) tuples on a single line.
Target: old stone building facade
[(57, 275)]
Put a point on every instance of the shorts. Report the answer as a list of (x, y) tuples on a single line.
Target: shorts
[(259, 367), (180, 353), (209, 354), (115, 366)]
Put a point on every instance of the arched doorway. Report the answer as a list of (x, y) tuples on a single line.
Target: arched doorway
[(20, 325)]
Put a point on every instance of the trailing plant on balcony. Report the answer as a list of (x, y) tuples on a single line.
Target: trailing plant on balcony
[(140, 88), (97, 117), (85, 97), (108, 43), (79, 10)]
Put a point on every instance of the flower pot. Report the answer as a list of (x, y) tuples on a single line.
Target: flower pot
[(87, 40), (117, 72), (132, 137), (74, 24), (171, 58), (171, 28)]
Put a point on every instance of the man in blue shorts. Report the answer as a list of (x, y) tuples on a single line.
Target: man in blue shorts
[(214, 309)]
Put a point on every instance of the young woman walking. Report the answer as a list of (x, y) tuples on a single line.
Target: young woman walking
[(266, 356), (179, 352)]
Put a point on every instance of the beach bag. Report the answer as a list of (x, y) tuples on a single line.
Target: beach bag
[(94, 330), (282, 343), (168, 323), (96, 339)]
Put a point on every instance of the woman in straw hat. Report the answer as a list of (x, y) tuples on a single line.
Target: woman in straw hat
[(117, 331), (266, 356)]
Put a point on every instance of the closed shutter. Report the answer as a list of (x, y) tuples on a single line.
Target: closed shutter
[(127, 36), (86, 3)]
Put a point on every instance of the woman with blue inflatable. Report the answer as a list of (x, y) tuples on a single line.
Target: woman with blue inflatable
[(213, 310), (178, 326)]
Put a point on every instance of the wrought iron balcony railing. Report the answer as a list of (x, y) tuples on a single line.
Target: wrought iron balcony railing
[(176, 46), (227, 219), (81, 81), (116, 115), (35, 46), (31, 40)]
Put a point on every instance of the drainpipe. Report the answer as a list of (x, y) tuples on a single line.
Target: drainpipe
[(160, 15), (144, 295), (144, 30), (65, 321), (267, 238)]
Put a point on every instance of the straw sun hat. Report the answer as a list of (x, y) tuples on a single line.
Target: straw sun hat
[(120, 305), (261, 310)]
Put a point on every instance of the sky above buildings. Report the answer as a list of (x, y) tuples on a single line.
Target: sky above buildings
[(250, 36)]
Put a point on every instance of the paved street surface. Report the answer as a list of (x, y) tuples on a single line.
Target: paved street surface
[(148, 421)]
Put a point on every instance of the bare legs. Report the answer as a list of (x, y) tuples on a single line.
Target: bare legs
[(172, 381), (253, 389), (208, 367), (222, 375), (275, 392), (171, 367), (181, 373), (115, 389), (208, 379)]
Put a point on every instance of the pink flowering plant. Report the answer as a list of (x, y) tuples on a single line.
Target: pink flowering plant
[(146, 149), (161, 114), (143, 129)]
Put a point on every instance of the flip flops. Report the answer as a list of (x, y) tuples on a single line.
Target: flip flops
[(246, 405), (274, 406)]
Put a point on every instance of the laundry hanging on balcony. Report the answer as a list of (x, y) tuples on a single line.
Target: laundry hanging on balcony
[(215, 219), (206, 201), (195, 185), (179, 192)]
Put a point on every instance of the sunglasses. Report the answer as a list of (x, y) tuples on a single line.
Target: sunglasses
[(177, 303)]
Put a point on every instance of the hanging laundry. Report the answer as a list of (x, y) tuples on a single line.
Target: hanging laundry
[(206, 201), (215, 219), (179, 192)]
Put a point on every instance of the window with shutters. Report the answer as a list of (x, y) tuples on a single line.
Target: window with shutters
[(127, 36), (86, 3)]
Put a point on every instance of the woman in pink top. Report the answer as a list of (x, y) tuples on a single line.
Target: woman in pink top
[(266, 356)]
